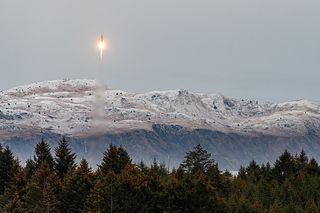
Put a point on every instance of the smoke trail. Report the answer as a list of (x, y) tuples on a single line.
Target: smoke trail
[(98, 108), (101, 54)]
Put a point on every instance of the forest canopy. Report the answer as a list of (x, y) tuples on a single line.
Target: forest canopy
[(51, 181)]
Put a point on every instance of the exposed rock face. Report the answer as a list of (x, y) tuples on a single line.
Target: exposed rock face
[(161, 124), (168, 143)]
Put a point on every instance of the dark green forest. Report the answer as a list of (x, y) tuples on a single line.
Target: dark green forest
[(51, 181)]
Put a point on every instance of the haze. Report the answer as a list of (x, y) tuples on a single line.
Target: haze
[(265, 50)]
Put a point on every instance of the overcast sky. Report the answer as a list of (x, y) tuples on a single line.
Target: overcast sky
[(266, 50)]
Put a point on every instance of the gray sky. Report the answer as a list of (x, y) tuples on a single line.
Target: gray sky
[(265, 50)]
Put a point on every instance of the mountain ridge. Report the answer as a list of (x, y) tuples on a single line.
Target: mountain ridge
[(66, 107)]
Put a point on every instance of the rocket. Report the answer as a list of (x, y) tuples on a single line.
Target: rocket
[(101, 38)]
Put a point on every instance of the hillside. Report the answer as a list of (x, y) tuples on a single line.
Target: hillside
[(159, 124)]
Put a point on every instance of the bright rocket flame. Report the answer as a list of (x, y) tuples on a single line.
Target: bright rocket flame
[(101, 47)]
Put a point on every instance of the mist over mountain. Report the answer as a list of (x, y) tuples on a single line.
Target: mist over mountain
[(159, 125)]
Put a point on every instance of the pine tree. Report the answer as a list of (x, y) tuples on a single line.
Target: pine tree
[(171, 194), (64, 159), (253, 172), (153, 187), (197, 160), (303, 158), (76, 188), (266, 172), (114, 159), (196, 194), (313, 167), (6, 168), (284, 166), (215, 177), (131, 193), (29, 168), (42, 190), (104, 197), (242, 174), (96, 201), (42, 153), (15, 192)]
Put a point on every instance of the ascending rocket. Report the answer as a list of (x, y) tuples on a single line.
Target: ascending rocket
[(101, 38), (101, 46)]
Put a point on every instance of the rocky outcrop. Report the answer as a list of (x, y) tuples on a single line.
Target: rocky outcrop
[(168, 144)]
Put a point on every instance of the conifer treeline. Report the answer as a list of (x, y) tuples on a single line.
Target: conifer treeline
[(57, 184)]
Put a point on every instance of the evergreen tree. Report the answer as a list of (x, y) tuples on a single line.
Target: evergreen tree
[(131, 192), (313, 167), (172, 194), (266, 172), (242, 174), (196, 194), (42, 190), (104, 197), (29, 168), (6, 168), (153, 189), (197, 160), (76, 188), (253, 172), (215, 177), (114, 159), (16, 191), (303, 158), (285, 166), (42, 158), (42, 153), (64, 158)]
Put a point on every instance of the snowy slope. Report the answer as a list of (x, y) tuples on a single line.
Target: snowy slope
[(68, 107)]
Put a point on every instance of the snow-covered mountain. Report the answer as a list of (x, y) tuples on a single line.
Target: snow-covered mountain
[(68, 107)]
